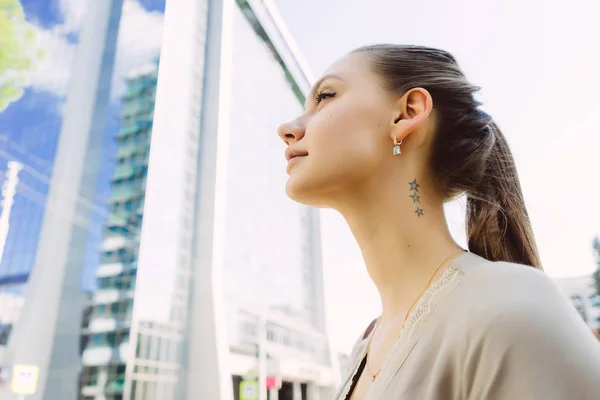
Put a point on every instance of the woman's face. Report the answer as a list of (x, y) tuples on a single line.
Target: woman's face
[(343, 138)]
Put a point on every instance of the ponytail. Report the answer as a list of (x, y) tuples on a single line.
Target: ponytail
[(498, 226), (469, 154)]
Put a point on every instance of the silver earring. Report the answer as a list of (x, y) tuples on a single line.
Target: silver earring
[(397, 150)]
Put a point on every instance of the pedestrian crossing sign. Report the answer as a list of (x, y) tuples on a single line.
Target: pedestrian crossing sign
[(248, 390), (24, 379)]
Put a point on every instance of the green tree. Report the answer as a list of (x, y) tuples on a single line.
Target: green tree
[(596, 246), (18, 51)]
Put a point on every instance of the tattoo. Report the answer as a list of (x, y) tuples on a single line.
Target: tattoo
[(414, 187)]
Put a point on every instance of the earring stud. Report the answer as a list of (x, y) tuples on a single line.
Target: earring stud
[(397, 150)]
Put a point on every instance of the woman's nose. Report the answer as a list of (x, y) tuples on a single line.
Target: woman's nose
[(290, 132)]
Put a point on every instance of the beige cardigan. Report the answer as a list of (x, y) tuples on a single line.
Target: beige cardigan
[(489, 331)]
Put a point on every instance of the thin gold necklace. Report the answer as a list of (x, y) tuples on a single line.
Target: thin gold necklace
[(374, 375)]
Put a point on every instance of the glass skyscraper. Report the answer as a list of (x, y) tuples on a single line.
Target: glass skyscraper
[(106, 337), (206, 274), (29, 129)]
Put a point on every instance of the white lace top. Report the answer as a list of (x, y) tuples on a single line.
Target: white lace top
[(416, 319), (488, 330)]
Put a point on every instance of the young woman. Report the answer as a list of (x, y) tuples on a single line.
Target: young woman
[(389, 134)]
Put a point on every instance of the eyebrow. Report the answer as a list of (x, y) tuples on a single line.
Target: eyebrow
[(318, 83)]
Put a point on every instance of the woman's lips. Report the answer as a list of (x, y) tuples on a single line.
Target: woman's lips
[(293, 161), (295, 158), (293, 153)]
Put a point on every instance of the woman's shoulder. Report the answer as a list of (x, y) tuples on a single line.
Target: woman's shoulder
[(511, 298), (515, 335), (505, 281), (518, 335)]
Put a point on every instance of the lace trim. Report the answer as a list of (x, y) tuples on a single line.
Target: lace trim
[(414, 322), (425, 304), (344, 392), (399, 351)]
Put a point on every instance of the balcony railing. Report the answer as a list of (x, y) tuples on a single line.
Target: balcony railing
[(133, 127), (127, 170), (143, 106), (116, 386), (127, 150), (125, 193)]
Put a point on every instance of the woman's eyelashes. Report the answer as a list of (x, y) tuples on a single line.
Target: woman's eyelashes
[(320, 96)]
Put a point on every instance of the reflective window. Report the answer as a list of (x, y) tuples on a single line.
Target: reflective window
[(264, 228)]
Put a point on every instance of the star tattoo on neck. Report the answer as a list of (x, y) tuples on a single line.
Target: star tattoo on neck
[(419, 211), (414, 185), (415, 197)]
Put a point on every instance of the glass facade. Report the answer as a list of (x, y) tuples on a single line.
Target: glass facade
[(44, 38), (141, 224), (107, 335), (265, 258), (156, 356), (268, 263), (30, 122)]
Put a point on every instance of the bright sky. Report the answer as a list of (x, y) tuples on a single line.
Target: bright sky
[(538, 63)]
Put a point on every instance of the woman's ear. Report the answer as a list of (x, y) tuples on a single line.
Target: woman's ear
[(412, 110)]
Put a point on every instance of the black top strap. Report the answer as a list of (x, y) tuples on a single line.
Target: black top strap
[(362, 363), (370, 328)]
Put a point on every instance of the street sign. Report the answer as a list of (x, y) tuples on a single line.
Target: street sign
[(25, 379), (273, 382), (249, 390)]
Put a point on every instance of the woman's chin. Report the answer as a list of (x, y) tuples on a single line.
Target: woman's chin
[(299, 189), (296, 189), (309, 192)]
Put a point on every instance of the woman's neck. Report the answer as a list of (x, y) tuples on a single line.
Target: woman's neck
[(400, 248)]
